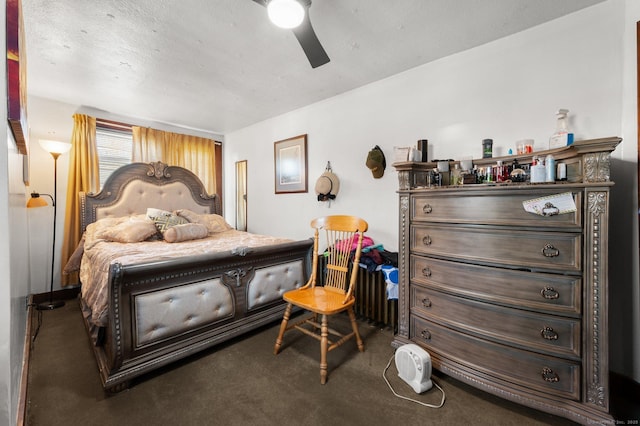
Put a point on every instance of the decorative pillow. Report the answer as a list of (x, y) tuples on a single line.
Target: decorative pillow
[(185, 232), (151, 213), (73, 264), (214, 222), (164, 219), (192, 217), (132, 230)]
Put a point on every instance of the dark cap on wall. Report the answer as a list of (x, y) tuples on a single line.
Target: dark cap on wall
[(376, 162)]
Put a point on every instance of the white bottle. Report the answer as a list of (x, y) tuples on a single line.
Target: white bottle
[(537, 171), (562, 137), (550, 168)]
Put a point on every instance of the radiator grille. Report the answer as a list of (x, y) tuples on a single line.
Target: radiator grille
[(372, 304)]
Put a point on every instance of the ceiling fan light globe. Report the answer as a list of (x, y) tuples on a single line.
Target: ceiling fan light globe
[(285, 13)]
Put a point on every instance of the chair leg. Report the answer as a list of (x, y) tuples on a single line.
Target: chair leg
[(354, 326), (324, 333), (283, 328)]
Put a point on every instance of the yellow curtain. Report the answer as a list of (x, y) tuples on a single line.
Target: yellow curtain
[(149, 145), (191, 152), (84, 176)]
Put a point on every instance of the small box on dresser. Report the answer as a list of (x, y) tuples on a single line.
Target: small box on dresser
[(505, 300)]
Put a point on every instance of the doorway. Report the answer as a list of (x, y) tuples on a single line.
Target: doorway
[(241, 195)]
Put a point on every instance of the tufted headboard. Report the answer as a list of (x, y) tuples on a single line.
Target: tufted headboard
[(133, 188)]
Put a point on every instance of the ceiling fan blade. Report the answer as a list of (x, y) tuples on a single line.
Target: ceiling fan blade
[(307, 37), (310, 44)]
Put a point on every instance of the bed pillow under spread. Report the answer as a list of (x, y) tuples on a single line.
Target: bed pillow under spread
[(132, 229), (214, 222), (185, 232)]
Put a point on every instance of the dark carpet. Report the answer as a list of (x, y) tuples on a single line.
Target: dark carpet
[(242, 383)]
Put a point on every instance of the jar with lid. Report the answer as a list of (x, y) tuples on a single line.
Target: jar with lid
[(487, 148)]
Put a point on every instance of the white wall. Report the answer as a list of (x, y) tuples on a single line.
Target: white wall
[(48, 120), (506, 90), (14, 271)]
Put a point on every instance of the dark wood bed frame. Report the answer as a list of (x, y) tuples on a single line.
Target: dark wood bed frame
[(253, 279)]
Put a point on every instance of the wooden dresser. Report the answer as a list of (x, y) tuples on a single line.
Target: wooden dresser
[(509, 301)]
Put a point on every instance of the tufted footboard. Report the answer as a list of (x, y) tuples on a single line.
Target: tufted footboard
[(168, 310)]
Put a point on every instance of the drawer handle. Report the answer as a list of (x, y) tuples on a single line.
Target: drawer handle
[(549, 293), (550, 251), (549, 333), (427, 209), (426, 302), (550, 210), (425, 334), (548, 375), (427, 240), (426, 271)]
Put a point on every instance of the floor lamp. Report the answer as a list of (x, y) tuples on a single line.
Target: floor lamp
[(55, 148)]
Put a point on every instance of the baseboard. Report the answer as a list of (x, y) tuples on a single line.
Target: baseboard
[(64, 294), (21, 415)]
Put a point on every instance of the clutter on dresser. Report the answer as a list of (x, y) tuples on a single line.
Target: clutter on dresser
[(526, 166)]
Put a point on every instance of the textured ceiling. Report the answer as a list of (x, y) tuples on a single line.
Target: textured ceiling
[(220, 65)]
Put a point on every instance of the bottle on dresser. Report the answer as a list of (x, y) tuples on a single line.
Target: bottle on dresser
[(562, 136), (538, 170)]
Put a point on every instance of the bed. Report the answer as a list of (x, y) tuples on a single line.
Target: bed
[(148, 303)]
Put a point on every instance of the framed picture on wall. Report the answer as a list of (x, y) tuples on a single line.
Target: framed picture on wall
[(290, 156), (16, 75)]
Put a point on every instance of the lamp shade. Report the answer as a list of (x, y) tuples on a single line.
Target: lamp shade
[(36, 201), (54, 147), (285, 13)]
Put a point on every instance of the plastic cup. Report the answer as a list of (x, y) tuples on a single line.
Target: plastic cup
[(524, 146)]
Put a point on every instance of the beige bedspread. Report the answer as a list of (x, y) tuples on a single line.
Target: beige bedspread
[(100, 254)]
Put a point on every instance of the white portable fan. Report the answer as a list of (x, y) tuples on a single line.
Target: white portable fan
[(414, 367)]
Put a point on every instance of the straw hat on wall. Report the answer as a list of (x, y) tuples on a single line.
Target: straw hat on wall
[(327, 185)]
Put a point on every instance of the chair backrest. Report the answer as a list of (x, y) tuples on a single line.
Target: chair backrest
[(343, 238)]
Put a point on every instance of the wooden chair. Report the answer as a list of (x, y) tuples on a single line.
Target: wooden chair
[(343, 237)]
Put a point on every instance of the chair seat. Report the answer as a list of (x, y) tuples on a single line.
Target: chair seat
[(317, 299)]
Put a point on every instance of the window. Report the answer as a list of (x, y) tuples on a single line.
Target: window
[(115, 147), (115, 144)]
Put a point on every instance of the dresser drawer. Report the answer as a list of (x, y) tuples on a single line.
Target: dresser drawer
[(512, 366), (491, 209), (548, 334), (550, 293), (528, 250)]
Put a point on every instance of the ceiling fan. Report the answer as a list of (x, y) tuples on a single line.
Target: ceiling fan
[(303, 31)]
